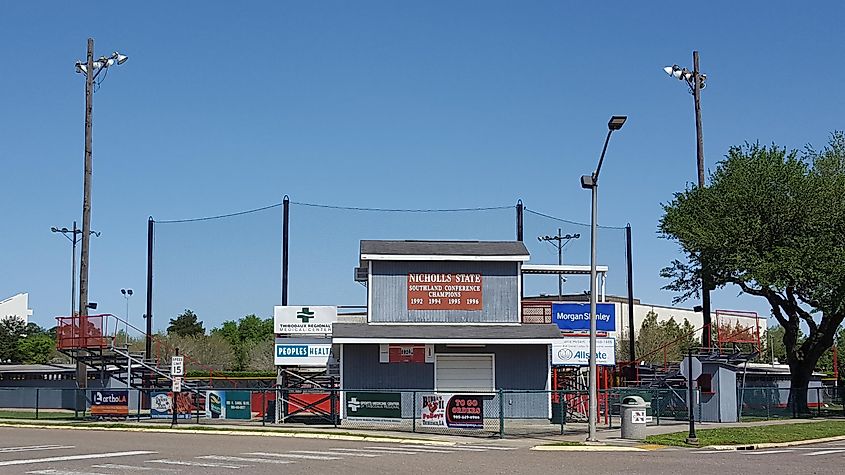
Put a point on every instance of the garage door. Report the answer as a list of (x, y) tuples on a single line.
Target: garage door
[(457, 373)]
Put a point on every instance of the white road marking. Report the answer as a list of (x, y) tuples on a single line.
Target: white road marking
[(64, 472), (826, 452), (385, 450), (133, 468), (225, 458), (329, 452), (490, 447), (767, 452), (66, 458), (195, 464), (33, 448), (427, 451), (453, 448), (294, 456)]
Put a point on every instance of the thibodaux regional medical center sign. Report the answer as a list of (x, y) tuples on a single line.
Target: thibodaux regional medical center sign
[(576, 316), (303, 320)]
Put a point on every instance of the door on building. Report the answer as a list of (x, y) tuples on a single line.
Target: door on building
[(464, 373)]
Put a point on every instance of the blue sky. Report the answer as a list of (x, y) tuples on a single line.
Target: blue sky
[(224, 107)]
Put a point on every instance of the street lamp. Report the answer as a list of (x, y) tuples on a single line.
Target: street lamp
[(126, 294), (592, 182), (695, 81), (91, 69), (73, 232)]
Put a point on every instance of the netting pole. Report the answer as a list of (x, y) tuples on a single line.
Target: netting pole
[(629, 257), (148, 315), (519, 237), (285, 247)]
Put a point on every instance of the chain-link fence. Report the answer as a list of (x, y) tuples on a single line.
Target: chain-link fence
[(492, 414)]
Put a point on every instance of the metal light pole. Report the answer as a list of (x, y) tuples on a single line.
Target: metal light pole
[(92, 70), (592, 182), (695, 81), (558, 241)]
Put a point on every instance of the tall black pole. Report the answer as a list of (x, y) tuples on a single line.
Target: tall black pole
[(81, 370), (559, 263), (630, 257), (691, 438), (149, 313), (285, 247), (519, 236), (73, 273), (699, 148)]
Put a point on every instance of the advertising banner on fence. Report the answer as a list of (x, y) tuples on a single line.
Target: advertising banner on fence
[(444, 291), (303, 320), (161, 405), (575, 351), (452, 411), (374, 407), (302, 352), (576, 316), (215, 404), (110, 403), (238, 405)]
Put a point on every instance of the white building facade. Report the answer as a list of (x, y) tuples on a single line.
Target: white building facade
[(16, 306)]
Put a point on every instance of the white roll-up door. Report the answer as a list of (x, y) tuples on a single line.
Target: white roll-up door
[(467, 372)]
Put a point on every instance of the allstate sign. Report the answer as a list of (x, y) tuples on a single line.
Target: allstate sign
[(575, 351), (576, 316)]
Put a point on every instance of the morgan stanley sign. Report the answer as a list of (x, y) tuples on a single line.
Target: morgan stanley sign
[(576, 316)]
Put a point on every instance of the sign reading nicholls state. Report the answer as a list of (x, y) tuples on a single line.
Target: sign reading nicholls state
[(303, 320), (444, 291)]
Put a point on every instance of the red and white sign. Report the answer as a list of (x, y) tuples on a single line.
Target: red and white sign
[(427, 291), (406, 353)]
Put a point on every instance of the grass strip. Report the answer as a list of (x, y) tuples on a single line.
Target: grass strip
[(755, 434)]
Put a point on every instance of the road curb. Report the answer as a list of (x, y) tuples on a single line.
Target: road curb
[(235, 432), (772, 445), (587, 448)]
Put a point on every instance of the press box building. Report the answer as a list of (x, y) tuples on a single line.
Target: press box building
[(445, 316)]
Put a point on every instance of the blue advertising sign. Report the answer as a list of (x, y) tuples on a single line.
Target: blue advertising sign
[(576, 316)]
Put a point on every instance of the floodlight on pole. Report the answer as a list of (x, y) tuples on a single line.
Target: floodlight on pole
[(592, 182)]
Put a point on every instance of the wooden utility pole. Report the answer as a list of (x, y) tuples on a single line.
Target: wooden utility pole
[(81, 369)]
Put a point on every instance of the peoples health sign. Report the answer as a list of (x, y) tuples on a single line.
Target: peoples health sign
[(575, 351), (576, 316), (302, 352)]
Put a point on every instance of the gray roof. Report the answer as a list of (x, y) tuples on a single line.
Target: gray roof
[(410, 332), (37, 368), (445, 248)]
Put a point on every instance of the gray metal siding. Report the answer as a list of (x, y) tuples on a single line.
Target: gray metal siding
[(362, 370), (499, 286), (518, 367)]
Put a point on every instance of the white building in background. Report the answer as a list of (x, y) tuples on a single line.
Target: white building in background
[(16, 306)]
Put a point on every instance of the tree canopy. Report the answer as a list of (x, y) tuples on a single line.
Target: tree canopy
[(186, 324), (24, 343), (771, 222)]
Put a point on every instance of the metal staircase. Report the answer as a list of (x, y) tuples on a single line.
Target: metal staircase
[(95, 340)]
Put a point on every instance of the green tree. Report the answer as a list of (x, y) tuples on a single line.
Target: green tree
[(245, 335), (12, 330), (36, 348), (771, 222), (660, 342), (186, 324)]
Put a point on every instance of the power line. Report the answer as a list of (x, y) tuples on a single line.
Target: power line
[(220, 216), (401, 210), (576, 223)]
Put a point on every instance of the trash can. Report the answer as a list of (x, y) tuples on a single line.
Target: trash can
[(633, 411)]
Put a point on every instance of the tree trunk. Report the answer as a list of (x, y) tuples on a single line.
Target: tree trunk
[(799, 384)]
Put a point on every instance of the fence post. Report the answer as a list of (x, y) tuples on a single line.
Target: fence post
[(37, 395), (656, 412), (263, 407), (140, 396), (413, 411), (768, 402), (197, 404), (333, 400), (818, 402), (562, 408), (501, 414)]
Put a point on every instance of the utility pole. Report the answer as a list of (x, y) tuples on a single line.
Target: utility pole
[(695, 80), (558, 241)]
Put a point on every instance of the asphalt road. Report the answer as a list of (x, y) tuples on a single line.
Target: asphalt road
[(72, 452)]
